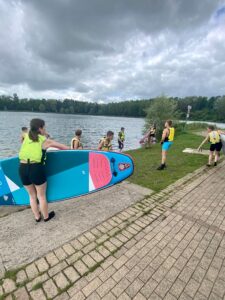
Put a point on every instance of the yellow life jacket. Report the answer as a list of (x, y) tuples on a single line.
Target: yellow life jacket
[(171, 135), (30, 150), (107, 145), (121, 136), (75, 139), (214, 137)]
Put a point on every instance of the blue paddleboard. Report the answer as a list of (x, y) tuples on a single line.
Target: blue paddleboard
[(70, 174)]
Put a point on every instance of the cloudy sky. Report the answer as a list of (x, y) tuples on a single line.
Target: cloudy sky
[(111, 50)]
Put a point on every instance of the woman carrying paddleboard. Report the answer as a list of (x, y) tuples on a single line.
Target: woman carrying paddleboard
[(32, 168)]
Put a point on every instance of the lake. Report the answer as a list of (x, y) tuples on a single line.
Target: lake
[(61, 127)]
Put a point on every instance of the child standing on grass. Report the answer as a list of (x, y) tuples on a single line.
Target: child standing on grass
[(166, 142), (213, 137)]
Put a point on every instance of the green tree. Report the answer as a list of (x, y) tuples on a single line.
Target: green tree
[(161, 109), (219, 107), (42, 107)]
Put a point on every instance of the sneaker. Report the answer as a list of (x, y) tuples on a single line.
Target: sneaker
[(215, 163), (161, 167), (208, 165)]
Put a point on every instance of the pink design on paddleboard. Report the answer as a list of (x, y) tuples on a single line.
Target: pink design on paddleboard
[(99, 170)]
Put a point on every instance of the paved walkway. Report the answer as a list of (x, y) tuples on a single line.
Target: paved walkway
[(170, 245)]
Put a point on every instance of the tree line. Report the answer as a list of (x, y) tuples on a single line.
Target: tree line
[(202, 108)]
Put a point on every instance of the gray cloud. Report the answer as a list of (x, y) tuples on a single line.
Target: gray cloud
[(112, 50)]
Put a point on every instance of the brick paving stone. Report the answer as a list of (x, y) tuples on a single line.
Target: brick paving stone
[(219, 288), (89, 261), (38, 295), (120, 287), (139, 296), (21, 294), (52, 259), (110, 246), (120, 262), (91, 287), (61, 281), (76, 244), (63, 296), (74, 257), (60, 253), (206, 287), (199, 296), (109, 296), (102, 239), (83, 240), (77, 287), (149, 287), (177, 288), (154, 296), (31, 271), (103, 251), (37, 280), (71, 274), (115, 241), (42, 265), (68, 249), (90, 236), (50, 288), (96, 256), (80, 267), (133, 273), (106, 287), (8, 285), (124, 296), (163, 288), (78, 296), (56, 269), (21, 276), (89, 247), (92, 275), (93, 296), (107, 273), (146, 274), (191, 288), (134, 288)]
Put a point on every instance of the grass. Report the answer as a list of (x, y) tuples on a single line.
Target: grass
[(179, 164)]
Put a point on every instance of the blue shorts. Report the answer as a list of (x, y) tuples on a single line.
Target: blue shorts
[(166, 146)]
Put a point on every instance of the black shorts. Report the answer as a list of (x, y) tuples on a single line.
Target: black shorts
[(216, 147), (121, 145), (32, 174)]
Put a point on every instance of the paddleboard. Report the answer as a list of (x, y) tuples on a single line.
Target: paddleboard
[(70, 173), (195, 151)]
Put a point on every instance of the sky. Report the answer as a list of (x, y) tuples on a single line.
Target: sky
[(112, 50)]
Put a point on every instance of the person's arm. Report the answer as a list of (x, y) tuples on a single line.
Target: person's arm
[(164, 135), (100, 145), (51, 143), (204, 141), (75, 145)]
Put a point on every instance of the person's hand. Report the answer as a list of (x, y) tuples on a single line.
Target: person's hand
[(161, 142)]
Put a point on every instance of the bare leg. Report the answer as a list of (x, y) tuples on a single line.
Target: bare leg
[(33, 200), (217, 156), (164, 157), (210, 157), (41, 194)]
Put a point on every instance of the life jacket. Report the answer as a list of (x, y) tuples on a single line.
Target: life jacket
[(121, 136), (31, 151), (75, 139), (214, 137), (170, 137), (107, 145)]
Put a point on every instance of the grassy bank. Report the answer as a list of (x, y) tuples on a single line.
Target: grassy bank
[(179, 163)]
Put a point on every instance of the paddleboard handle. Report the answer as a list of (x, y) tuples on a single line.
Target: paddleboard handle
[(112, 160)]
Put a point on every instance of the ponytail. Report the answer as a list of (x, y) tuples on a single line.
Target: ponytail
[(35, 125)]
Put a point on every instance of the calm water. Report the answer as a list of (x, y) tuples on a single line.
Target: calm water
[(61, 127)]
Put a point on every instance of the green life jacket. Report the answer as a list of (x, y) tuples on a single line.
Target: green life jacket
[(121, 136), (107, 145), (32, 151)]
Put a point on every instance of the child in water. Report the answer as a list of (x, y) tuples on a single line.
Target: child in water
[(32, 169), (105, 143), (213, 137), (121, 139), (24, 131), (75, 142)]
